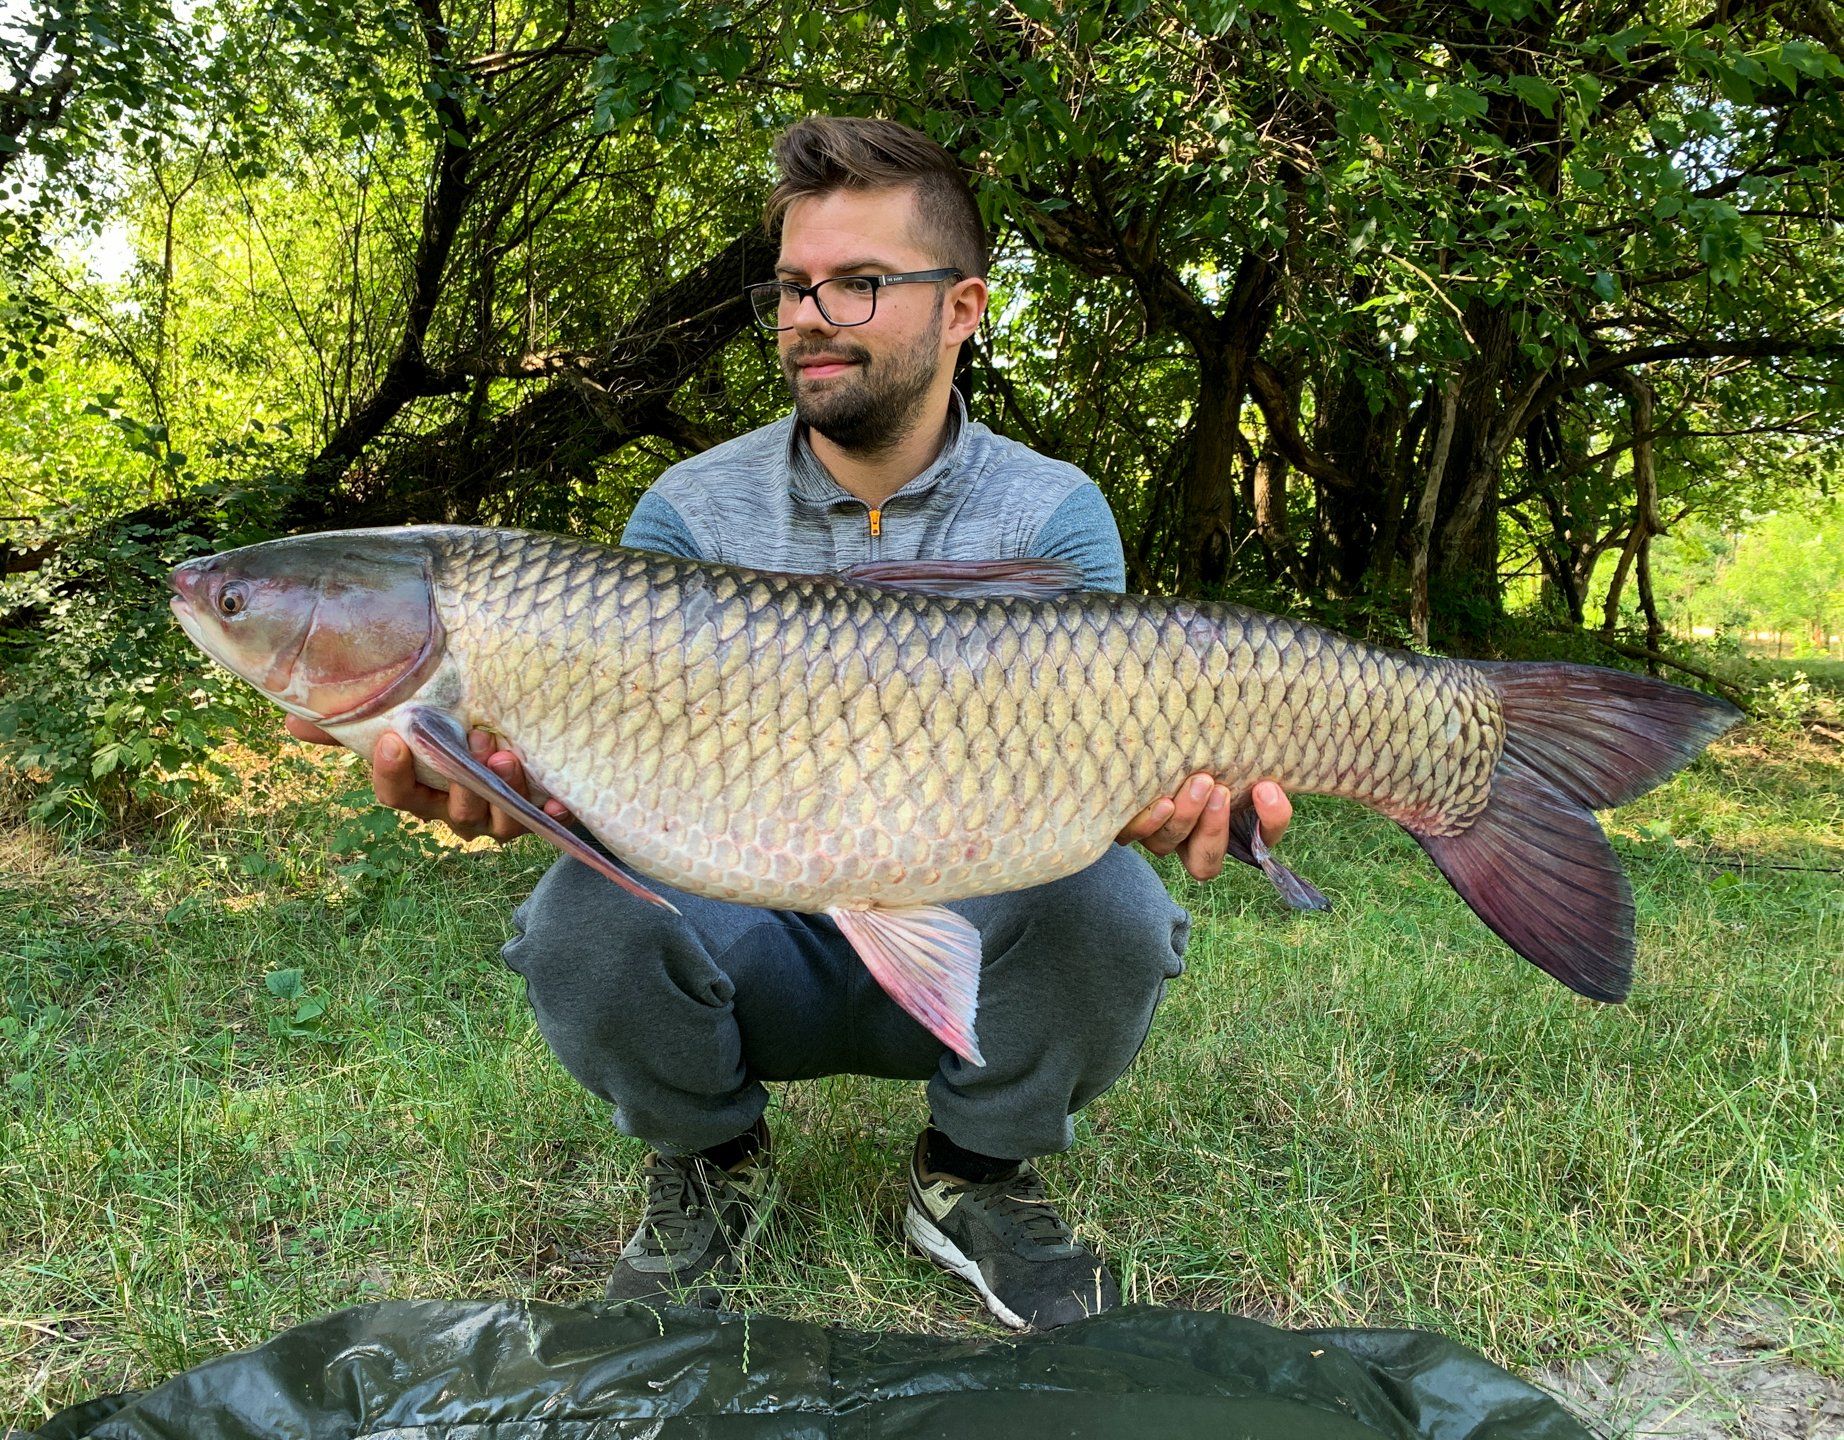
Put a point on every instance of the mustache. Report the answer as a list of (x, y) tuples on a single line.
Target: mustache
[(808, 354)]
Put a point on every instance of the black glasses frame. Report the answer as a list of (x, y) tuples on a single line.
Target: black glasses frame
[(780, 289)]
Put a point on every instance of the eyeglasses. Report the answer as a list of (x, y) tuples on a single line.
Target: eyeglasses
[(843, 300)]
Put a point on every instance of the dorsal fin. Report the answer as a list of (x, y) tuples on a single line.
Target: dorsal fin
[(970, 579)]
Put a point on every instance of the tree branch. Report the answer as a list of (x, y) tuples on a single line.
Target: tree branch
[(1276, 406), (408, 377), (583, 413), (1609, 362)]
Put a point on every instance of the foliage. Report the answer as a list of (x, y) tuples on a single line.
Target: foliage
[(1763, 574), (105, 703), (1789, 572)]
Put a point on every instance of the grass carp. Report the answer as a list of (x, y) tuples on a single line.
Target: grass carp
[(872, 744)]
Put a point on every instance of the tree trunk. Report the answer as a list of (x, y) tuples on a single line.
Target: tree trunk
[(1463, 570), (408, 376), (1610, 612), (1270, 506), (1354, 519), (1646, 522), (1581, 576), (1210, 478), (1419, 607), (1655, 629), (1225, 345), (1645, 478), (1266, 499)]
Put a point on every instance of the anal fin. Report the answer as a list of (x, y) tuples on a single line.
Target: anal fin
[(928, 960), (1246, 845)]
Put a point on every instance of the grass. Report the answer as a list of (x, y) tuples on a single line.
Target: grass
[(1374, 1117)]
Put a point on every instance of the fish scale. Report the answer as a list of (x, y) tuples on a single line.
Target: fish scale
[(1025, 709)]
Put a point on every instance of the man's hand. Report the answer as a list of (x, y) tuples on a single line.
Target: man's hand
[(1195, 823), (393, 777)]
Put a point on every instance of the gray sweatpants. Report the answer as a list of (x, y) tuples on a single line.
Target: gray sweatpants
[(678, 1019)]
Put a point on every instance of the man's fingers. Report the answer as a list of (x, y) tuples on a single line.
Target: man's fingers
[(467, 812), (1208, 842), (307, 730), (1273, 809), (507, 826), (1146, 822), (1187, 806), (393, 779)]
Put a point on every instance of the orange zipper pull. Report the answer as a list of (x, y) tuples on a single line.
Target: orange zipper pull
[(877, 523)]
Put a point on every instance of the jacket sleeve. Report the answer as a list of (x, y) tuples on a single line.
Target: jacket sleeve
[(657, 526), (1082, 531)]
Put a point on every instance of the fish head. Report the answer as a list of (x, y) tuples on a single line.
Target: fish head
[(334, 627)]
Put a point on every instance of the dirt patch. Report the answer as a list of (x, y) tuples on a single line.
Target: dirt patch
[(1727, 1382)]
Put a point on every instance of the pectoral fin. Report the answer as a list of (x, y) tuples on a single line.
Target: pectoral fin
[(440, 741), (928, 961), (1246, 845)]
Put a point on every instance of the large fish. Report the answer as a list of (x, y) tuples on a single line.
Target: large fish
[(872, 744)]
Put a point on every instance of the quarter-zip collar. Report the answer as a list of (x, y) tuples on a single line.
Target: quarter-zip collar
[(811, 482)]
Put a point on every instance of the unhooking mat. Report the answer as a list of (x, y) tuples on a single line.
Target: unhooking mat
[(500, 1370)]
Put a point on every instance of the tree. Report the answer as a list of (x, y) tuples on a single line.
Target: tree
[(1348, 296), (1788, 572)]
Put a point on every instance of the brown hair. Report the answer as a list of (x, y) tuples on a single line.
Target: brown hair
[(824, 153)]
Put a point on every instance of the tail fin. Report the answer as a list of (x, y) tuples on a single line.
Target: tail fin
[(1534, 865)]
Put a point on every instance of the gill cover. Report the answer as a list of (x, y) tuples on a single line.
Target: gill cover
[(334, 627)]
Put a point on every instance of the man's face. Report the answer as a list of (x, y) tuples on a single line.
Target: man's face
[(863, 386)]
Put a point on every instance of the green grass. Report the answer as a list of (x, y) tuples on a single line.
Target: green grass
[(1374, 1117)]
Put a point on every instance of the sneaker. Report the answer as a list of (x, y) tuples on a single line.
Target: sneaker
[(1003, 1238), (700, 1220)]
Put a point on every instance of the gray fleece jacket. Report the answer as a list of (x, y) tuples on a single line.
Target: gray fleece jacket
[(764, 500)]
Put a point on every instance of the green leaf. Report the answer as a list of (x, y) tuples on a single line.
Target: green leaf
[(284, 984), (1540, 95), (730, 56)]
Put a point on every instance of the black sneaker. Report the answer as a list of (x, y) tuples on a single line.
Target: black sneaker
[(1003, 1238), (700, 1219)]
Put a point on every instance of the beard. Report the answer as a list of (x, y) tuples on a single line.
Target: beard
[(873, 407)]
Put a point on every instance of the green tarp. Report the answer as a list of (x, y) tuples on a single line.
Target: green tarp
[(499, 1370)]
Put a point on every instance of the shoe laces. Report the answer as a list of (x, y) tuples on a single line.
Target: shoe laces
[(676, 1199), (1021, 1199)]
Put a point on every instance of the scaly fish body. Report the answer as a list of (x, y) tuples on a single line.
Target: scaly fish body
[(872, 745), (803, 743)]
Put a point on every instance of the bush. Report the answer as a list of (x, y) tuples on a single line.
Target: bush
[(105, 706)]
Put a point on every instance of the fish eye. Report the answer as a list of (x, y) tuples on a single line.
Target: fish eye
[(232, 600)]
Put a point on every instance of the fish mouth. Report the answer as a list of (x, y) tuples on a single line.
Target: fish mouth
[(186, 601), (183, 612), (183, 580)]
